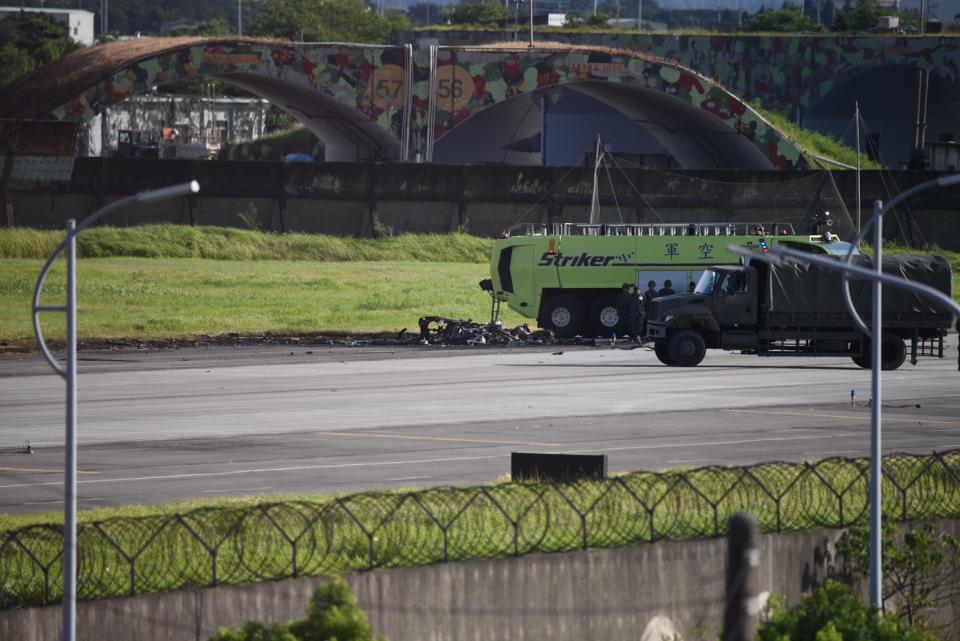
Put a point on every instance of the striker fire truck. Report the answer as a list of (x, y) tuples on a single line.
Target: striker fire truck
[(567, 275)]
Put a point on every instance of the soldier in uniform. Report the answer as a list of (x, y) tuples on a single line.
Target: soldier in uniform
[(623, 310), (648, 297), (638, 315), (667, 289)]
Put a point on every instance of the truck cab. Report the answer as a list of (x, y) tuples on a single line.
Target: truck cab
[(722, 312)]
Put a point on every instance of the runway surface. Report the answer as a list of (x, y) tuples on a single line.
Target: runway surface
[(156, 426)]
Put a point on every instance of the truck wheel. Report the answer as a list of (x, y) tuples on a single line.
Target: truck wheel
[(893, 352), (563, 314), (603, 317), (686, 348), (660, 349)]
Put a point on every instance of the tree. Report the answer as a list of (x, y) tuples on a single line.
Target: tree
[(326, 21), (30, 41), (785, 20), (212, 27), (860, 17), (332, 615), (921, 571), (833, 613), (478, 12)]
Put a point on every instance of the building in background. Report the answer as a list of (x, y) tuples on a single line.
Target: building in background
[(167, 123), (79, 23)]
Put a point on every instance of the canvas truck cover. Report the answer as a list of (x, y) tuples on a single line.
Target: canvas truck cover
[(797, 288)]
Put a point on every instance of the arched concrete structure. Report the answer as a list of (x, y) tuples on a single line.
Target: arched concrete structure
[(348, 134), (789, 73), (692, 137), (351, 96), (670, 100), (391, 102)]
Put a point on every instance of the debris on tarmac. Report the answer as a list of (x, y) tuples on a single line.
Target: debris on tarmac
[(437, 330)]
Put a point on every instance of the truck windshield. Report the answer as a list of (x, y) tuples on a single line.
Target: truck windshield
[(708, 282), (840, 248)]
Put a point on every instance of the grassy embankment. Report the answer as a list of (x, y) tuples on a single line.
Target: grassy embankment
[(167, 281), (820, 144)]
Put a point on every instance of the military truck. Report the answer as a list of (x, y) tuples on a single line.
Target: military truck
[(567, 275), (798, 310)]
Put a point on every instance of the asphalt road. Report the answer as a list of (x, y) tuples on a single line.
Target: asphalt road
[(204, 422)]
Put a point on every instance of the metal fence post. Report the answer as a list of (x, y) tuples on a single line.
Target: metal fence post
[(743, 557)]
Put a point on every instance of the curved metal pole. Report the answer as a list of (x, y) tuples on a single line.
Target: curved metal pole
[(69, 374), (879, 211), (143, 197), (878, 277), (855, 270), (72, 230)]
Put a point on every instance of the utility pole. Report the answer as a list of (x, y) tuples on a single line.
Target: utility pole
[(516, 19), (531, 22), (856, 129), (875, 335), (239, 17), (69, 375)]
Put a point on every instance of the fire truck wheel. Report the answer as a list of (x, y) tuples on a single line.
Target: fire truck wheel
[(893, 352), (603, 317), (686, 348), (563, 314), (660, 349)]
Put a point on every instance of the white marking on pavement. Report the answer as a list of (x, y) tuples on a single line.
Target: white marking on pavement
[(835, 452), (60, 501), (172, 477), (447, 439), (41, 470), (703, 443), (888, 417)]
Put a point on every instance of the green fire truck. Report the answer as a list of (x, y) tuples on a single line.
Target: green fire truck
[(567, 275)]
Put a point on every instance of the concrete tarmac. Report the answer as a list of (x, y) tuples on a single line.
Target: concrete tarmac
[(157, 426)]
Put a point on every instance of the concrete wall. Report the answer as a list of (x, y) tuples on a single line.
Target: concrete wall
[(345, 198), (642, 593)]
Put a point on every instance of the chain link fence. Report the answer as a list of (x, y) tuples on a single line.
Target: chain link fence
[(212, 546)]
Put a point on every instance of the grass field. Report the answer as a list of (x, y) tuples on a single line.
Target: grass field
[(171, 298), (171, 281)]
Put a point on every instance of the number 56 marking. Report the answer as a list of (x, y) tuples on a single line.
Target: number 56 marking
[(455, 88)]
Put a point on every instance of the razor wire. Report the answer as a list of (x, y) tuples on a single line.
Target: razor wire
[(224, 545)]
